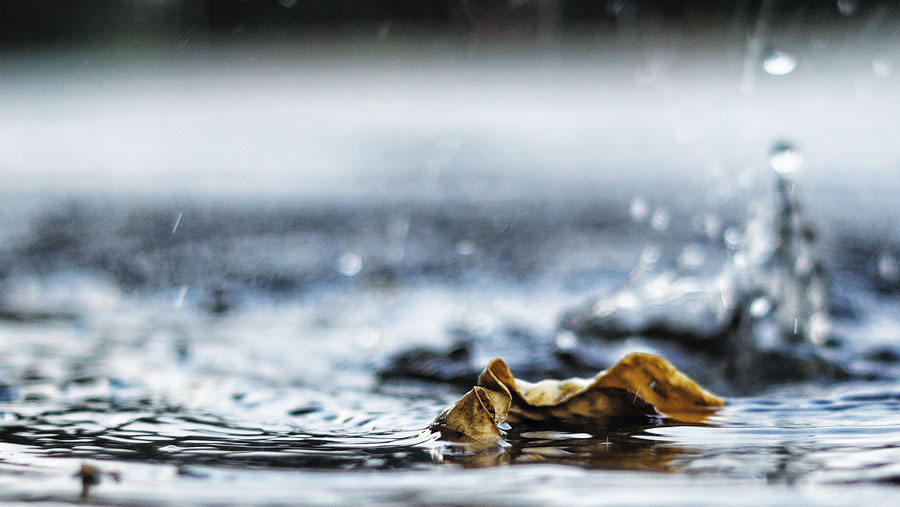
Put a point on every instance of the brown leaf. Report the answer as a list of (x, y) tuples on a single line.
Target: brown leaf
[(474, 418), (661, 384), (574, 398), (638, 385)]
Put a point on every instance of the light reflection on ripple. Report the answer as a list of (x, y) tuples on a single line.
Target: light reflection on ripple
[(759, 446), (852, 436), (266, 404)]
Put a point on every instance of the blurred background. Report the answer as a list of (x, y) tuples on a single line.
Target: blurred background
[(294, 137), (295, 142), (490, 98)]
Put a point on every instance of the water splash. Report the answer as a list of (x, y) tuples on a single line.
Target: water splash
[(771, 291)]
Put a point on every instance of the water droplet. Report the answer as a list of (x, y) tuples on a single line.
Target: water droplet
[(882, 67), (888, 267), (350, 264), (784, 158), (287, 4), (819, 328), (732, 237), (465, 247), (650, 255), (803, 264), (779, 63), (566, 340), (639, 210), (847, 7), (712, 226), (760, 307), (660, 220), (692, 256)]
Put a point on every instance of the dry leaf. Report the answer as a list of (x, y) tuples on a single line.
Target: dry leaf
[(474, 418), (658, 382), (637, 386)]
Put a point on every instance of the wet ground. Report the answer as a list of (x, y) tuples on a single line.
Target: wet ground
[(291, 354)]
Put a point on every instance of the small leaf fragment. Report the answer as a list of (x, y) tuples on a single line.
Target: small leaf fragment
[(91, 475), (474, 418)]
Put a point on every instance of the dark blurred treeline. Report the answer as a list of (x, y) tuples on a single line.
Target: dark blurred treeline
[(27, 22)]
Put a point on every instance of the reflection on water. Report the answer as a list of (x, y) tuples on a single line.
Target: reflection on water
[(211, 355), (784, 439)]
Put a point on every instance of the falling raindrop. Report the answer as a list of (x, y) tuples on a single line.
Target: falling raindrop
[(179, 298), (660, 220), (350, 264), (639, 210), (784, 158), (177, 222), (847, 7), (779, 63)]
